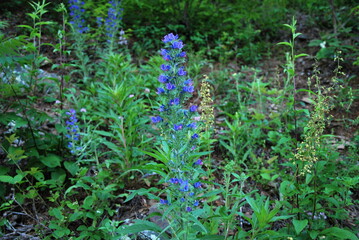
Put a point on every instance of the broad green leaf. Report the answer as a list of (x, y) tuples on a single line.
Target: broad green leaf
[(141, 225), (339, 233), (18, 178), (299, 225), (88, 202), (72, 167), (56, 213), (51, 160), (7, 179), (212, 237)]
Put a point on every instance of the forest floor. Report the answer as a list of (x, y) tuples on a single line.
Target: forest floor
[(305, 67)]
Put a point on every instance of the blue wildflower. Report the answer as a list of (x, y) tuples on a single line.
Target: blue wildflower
[(198, 162), (165, 67), (72, 129), (162, 201), (192, 125), (175, 101), (197, 184), (196, 203), (193, 108), (195, 136), (184, 187), (177, 127), (165, 54), (113, 19), (174, 180), (170, 86), (182, 54), (177, 45), (99, 21), (156, 119), (169, 37), (163, 78), (77, 12), (188, 82), (188, 209), (181, 72), (162, 108), (160, 90), (188, 89)]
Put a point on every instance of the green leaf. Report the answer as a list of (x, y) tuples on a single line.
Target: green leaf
[(7, 179), (212, 237), (253, 204), (103, 133), (299, 225), (4, 170), (18, 178), (51, 160), (300, 55), (56, 213), (285, 43), (88, 202), (313, 234), (141, 225), (72, 167), (339, 233), (75, 216)]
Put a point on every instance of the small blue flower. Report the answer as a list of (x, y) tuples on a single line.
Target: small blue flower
[(188, 82), (163, 78), (188, 89), (165, 67), (162, 108), (160, 90), (196, 203), (192, 125), (195, 136), (169, 37), (99, 21), (182, 54), (184, 187), (162, 201), (197, 185), (181, 72), (198, 162), (188, 209), (175, 101), (177, 45), (165, 54), (174, 180), (193, 108), (177, 127), (170, 86), (156, 119)]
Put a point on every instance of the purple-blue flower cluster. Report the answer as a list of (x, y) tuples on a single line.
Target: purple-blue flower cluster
[(77, 13), (114, 17), (72, 131), (112, 23), (184, 190), (177, 87), (178, 124)]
